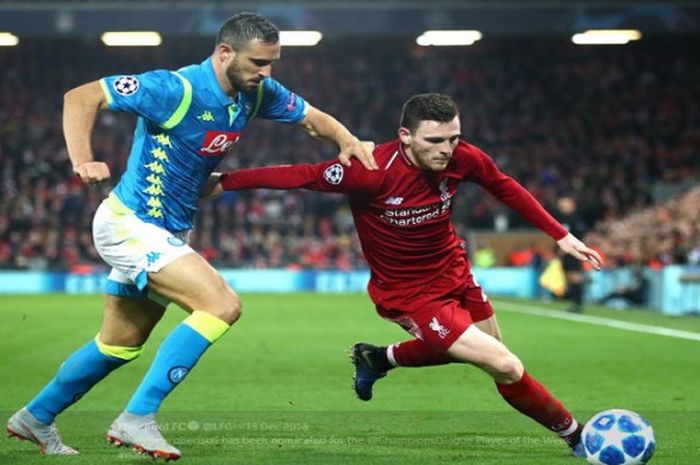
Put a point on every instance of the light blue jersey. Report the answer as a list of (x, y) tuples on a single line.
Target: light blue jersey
[(186, 125)]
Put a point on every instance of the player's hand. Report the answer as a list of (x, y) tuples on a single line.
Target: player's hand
[(571, 245), (93, 172), (213, 188), (362, 150)]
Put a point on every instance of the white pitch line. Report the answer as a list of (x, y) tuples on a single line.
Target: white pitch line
[(600, 321)]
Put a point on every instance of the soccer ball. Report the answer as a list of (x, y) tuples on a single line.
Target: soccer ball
[(126, 85), (618, 437)]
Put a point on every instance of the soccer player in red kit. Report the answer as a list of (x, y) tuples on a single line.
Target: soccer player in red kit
[(420, 271)]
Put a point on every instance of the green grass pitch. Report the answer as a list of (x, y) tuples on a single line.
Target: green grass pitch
[(276, 388)]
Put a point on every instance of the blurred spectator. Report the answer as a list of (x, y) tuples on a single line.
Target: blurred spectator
[(521, 256), (568, 215), (484, 256), (632, 293)]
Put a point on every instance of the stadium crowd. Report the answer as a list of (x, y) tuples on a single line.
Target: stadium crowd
[(606, 125)]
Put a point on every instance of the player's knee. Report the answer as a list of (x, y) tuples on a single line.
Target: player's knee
[(508, 369), (235, 309), (229, 308)]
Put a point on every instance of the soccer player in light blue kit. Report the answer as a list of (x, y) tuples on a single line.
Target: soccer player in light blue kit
[(187, 121)]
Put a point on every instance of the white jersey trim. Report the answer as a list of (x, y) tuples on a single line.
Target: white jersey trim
[(391, 160)]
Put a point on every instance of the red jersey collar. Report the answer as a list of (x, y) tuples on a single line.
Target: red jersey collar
[(405, 158)]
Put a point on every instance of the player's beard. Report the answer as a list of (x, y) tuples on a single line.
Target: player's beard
[(234, 75)]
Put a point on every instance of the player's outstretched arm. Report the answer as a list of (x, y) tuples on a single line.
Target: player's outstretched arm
[(323, 126), (571, 245), (80, 107), (328, 176), (304, 176)]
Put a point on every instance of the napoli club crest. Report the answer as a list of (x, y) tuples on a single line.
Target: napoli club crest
[(177, 374)]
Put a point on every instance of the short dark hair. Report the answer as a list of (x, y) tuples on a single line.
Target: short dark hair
[(427, 107), (241, 28)]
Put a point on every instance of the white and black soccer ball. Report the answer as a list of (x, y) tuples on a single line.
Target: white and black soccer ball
[(334, 174), (618, 437), (126, 85)]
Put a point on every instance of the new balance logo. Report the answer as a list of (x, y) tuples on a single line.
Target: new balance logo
[(394, 201), (438, 328)]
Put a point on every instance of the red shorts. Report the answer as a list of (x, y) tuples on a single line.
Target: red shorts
[(438, 312)]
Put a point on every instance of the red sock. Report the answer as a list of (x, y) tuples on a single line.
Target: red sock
[(532, 399), (416, 353)]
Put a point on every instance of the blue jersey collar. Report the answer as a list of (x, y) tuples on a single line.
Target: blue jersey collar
[(221, 96)]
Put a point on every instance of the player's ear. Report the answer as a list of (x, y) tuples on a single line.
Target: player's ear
[(405, 136), (225, 52)]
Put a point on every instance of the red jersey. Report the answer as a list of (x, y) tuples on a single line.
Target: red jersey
[(402, 213)]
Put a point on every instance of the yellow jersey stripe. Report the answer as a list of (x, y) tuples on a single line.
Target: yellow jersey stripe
[(184, 106), (108, 95)]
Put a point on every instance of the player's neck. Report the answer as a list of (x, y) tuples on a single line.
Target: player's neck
[(408, 155), (223, 80)]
